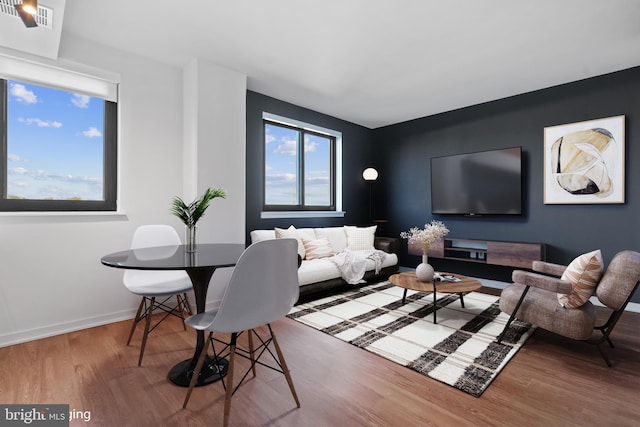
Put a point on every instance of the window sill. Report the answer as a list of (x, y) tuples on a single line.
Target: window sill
[(41, 214), (302, 214)]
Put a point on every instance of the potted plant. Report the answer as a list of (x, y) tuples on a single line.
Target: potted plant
[(191, 213)]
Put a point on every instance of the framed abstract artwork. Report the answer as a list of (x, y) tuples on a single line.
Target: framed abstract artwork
[(584, 162)]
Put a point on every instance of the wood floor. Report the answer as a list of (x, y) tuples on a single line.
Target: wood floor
[(551, 381)]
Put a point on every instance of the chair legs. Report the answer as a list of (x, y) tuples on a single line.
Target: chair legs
[(146, 309), (252, 353), (253, 356), (136, 319), (147, 325), (196, 371), (229, 389), (285, 369), (183, 305), (513, 314), (606, 329)]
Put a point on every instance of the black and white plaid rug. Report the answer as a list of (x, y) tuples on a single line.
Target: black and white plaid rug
[(460, 350)]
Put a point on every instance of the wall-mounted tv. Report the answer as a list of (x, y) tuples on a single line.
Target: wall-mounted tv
[(482, 183)]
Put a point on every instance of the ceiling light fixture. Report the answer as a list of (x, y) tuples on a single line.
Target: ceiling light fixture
[(27, 11)]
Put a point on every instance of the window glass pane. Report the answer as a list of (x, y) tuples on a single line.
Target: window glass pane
[(281, 165), (55, 144), (317, 170)]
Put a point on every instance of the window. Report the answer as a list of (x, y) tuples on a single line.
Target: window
[(59, 148), (301, 167)]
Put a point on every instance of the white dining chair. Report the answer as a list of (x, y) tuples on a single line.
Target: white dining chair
[(157, 288), (262, 289)]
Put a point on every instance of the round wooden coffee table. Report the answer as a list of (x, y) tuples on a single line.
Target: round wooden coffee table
[(408, 280)]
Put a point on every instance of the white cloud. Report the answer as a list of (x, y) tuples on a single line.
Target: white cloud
[(40, 184), (280, 179), (40, 123), (288, 147), (92, 132), (21, 94), (310, 146), (14, 157), (40, 174), (80, 101), (18, 171)]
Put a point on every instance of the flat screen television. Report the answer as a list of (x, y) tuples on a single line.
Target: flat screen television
[(482, 183)]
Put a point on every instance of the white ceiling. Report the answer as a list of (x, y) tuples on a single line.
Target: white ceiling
[(375, 62)]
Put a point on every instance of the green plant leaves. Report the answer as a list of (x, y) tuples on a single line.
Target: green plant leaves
[(191, 213)]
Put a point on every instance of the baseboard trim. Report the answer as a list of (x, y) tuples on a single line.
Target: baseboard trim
[(27, 335), (19, 337)]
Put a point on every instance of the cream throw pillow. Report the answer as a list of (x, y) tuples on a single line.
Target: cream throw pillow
[(360, 238), (583, 273), (291, 233), (317, 248)]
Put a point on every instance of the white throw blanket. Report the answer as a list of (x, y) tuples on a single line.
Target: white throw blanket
[(353, 264)]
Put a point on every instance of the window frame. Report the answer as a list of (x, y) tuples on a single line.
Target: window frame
[(110, 152), (302, 210)]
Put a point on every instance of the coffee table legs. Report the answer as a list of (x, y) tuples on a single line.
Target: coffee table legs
[(435, 305)]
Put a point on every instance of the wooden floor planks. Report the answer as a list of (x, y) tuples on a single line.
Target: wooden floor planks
[(551, 381)]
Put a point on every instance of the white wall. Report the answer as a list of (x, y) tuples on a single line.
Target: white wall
[(51, 279), (214, 153)]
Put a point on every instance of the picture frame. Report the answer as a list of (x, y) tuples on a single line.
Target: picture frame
[(584, 162)]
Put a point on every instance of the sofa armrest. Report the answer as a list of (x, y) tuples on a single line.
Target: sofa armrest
[(389, 245), (541, 281), (548, 268)]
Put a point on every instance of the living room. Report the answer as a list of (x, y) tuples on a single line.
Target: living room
[(183, 128)]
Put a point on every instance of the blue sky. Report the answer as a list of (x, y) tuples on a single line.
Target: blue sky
[(281, 166), (55, 144)]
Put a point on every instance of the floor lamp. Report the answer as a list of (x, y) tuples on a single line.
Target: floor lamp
[(370, 175)]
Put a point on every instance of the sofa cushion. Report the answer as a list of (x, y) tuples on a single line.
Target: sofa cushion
[(336, 236), (317, 270), (306, 233), (583, 273), (360, 238), (259, 235), (321, 269), (317, 248), (291, 233)]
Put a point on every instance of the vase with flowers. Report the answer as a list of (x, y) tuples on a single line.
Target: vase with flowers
[(191, 213), (425, 237)]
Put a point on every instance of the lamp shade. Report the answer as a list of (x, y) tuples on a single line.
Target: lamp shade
[(370, 174)]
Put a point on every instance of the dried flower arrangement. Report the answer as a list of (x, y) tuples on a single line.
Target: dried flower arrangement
[(431, 233)]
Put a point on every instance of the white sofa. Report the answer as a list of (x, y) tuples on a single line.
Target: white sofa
[(322, 273)]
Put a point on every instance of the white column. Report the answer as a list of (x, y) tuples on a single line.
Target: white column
[(214, 120), (214, 146)]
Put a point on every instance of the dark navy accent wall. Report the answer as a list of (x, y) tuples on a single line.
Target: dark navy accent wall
[(356, 156), (405, 150), (402, 153)]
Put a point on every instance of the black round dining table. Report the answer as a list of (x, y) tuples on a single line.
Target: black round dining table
[(199, 266)]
